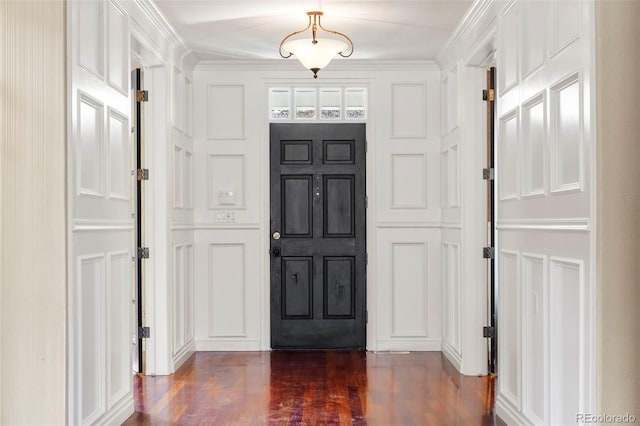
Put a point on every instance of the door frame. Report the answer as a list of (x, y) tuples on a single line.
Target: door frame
[(370, 177)]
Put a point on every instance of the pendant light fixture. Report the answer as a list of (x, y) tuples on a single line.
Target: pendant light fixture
[(315, 53)]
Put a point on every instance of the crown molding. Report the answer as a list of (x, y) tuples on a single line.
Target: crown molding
[(478, 20)]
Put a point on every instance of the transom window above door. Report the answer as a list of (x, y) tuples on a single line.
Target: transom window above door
[(318, 104)]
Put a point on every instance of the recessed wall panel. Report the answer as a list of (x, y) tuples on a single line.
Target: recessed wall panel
[(509, 30), (446, 298), (454, 295), (566, 116), (509, 326), (91, 287), (297, 287), (565, 289), (91, 44), (188, 293), (226, 173), (119, 326), (90, 146), (409, 290), (118, 47), (567, 22), (453, 178), (533, 156), (188, 180), (534, 38), (508, 153), (188, 108), (339, 287), (119, 156), (178, 100), (178, 297), (444, 179), (409, 181), (227, 287), (225, 112), (178, 177), (535, 344), (409, 110), (452, 100)]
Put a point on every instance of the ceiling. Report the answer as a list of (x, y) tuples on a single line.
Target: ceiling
[(252, 29)]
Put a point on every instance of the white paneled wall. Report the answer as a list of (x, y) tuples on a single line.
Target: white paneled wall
[(545, 147), (463, 198), (101, 268), (101, 244), (182, 265), (231, 197)]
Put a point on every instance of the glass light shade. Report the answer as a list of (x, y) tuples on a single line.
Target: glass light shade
[(315, 55)]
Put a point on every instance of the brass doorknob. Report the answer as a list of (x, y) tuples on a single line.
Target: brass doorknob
[(276, 235)]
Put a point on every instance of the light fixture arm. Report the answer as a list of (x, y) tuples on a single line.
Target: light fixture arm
[(336, 33), (314, 24), (294, 34)]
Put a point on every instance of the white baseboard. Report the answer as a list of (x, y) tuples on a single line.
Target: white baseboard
[(120, 412), (508, 413), (228, 345), (183, 354), (452, 355), (426, 345)]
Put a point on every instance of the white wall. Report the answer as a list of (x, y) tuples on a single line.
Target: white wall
[(618, 207), (33, 278), (545, 176), (231, 153)]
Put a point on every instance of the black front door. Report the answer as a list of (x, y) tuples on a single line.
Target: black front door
[(318, 247)]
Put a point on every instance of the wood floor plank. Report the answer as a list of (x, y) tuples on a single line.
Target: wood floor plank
[(314, 388)]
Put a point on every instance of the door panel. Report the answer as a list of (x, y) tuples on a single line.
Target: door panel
[(339, 204), (297, 289), (318, 258), (296, 206)]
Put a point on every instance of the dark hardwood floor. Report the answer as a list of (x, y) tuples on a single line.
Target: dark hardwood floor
[(314, 388)]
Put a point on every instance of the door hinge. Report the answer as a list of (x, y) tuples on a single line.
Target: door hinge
[(144, 332), (366, 316), (488, 95), (142, 96), (488, 174), (366, 201), (366, 258), (488, 252), (143, 252), (143, 174), (366, 146), (489, 332)]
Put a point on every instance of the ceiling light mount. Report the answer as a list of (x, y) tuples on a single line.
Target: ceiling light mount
[(315, 53)]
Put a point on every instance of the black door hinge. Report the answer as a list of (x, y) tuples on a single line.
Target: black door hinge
[(142, 96), (488, 332), (366, 258), (143, 252), (143, 174), (144, 332), (488, 252), (488, 95), (366, 146), (488, 174)]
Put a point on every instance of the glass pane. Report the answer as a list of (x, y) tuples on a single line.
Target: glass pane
[(355, 104), (280, 99), (305, 104)]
